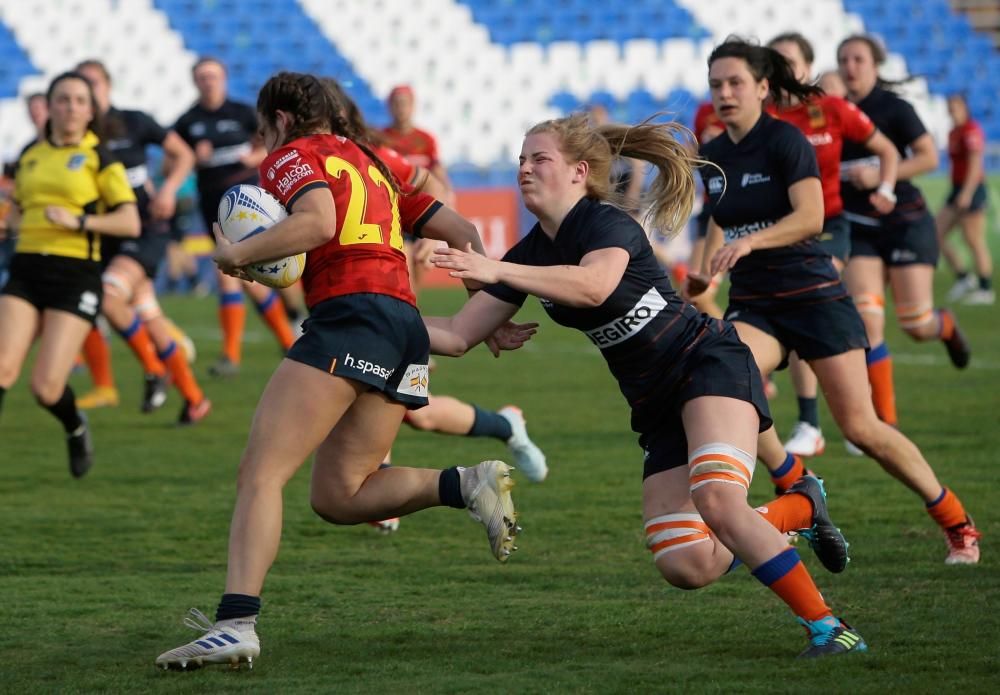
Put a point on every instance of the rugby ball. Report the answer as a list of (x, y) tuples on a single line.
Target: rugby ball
[(246, 210)]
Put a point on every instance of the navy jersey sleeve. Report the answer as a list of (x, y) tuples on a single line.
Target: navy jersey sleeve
[(181, 127), (152, 133), (795, 157), (516, 254), (248, 118), (907, 123)]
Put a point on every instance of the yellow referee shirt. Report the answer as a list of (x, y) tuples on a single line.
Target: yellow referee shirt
[(82, 178)]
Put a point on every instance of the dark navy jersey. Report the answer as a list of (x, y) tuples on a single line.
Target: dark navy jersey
[(126, 135), (230, 129), (895, 117), (750, 195), (643, 329)]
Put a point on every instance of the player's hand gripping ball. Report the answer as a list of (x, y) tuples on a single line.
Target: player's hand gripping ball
[(246, 210)]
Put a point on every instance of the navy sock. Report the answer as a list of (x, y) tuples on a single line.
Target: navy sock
[(450, 488), (237, 606), (3, 391), (65, 410), (489, 424), (809, 411), (985, 283)]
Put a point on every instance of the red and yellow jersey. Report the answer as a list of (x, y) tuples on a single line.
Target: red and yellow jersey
[(366, 254), (826, 123), (963, 141), (416, 145), (706, 123)]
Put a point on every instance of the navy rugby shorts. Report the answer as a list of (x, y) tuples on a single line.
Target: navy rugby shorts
[(374, 339)]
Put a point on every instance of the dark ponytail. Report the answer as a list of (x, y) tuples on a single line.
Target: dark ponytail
[(877, 49), (766, 63), (314, 110)]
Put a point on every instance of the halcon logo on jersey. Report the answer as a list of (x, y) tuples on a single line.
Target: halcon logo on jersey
[(293, 154), (819, 139), (293, 174), (624, 327), (751, 179), (716, 184), (367, 367)]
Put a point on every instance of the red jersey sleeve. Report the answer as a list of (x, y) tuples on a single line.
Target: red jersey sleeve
[(431, 150), (973, 138), (854, 124), (399, 165), (415, 208), (288, 172), (704, 119)]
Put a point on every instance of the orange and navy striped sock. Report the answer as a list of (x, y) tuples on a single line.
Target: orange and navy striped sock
[(883, 390), (142, 346), (97, 354), (272, 310), (946, 324), (181, 375), (788, 512), (788, 472), (785, 575), (947, 510), (232, 318)]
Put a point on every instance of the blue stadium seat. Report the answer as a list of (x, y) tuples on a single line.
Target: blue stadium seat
[(14, 64)]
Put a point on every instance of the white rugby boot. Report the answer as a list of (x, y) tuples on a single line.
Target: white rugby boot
[(530, 459), (226, 642), (805, 440), (486, 493)]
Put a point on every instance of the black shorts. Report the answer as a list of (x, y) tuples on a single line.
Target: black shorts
[(148, 250), (722, 367), (72, 285), (978, 197), (811, 330), (371, 338), (900, 243), (835, 238)]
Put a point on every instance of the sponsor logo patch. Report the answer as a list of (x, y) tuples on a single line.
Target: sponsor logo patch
[(734, 233), (415, 381), (716, 184), (88, 303), (76, 161), (293, 174), (289, 156), (624, 327), (751, 179)]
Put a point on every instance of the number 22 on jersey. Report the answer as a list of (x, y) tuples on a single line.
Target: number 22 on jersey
[(355, 230)]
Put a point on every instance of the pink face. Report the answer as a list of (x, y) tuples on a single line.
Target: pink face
[(70, 108), (401, 107), (737, 96), (857, 68), (210, 81), (101, 87), (793, 54), (958, 111), (543, 174)]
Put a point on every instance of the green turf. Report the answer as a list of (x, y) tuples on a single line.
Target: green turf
[(97, 574)]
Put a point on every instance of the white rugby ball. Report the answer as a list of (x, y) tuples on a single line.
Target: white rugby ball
[(246, 210)]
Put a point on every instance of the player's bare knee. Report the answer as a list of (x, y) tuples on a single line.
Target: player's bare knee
[(917, 320), (46, 389), (716, 471), (333, 509), (690, 572)]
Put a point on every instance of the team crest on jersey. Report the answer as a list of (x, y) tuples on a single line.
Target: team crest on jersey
[(817, 118), (716, 184), (76, 161), (293, 154)]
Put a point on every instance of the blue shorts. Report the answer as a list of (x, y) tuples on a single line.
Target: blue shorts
[(812, 331), (373, 339), (913, 242), (835, 238), (722, 367), (978, 198)]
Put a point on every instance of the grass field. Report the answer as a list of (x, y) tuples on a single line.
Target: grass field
[(98, 573)]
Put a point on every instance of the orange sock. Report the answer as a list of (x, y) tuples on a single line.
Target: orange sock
[(791, 470), (785, 575), (97, 354), (947, 510), (272, 310), (232, 317), (883, 390), (788, 512), (947, 325), (142, 346), (181, 374)]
